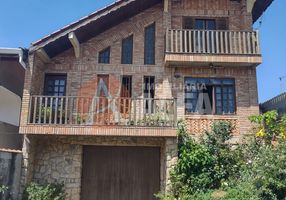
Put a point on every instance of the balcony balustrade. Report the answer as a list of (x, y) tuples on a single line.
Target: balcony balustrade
[(102, 111), (212, 46)]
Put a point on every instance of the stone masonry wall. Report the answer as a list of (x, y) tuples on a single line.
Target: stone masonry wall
[(59, 159), (10, 172)]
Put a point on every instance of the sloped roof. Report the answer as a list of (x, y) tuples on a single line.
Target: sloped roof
[(101, 20), (259, 8), (92, 25)]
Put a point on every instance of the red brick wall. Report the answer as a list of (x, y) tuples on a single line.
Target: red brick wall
[(82, 72), (235, 11)]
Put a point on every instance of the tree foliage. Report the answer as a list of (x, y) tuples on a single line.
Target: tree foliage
[(210, 168)]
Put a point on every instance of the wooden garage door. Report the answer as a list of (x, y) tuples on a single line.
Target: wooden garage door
[(120, 173)]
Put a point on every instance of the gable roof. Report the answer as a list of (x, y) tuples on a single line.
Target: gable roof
[(101, 20), (92, 25), (259, 8)]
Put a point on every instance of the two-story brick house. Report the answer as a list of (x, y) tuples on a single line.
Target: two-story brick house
[(102, 95)]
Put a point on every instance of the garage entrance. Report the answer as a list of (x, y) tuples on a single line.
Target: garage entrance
[(120, 173)]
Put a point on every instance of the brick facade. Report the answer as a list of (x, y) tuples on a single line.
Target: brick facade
[(82, 81)]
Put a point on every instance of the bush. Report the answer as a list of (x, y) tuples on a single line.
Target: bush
[(213, 170), (269, 126), (36, 191), (204, 165), (267, 172), (3, 189)]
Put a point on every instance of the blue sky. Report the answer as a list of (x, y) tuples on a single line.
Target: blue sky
[(26, 21)]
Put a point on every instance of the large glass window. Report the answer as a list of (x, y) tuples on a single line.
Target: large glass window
[(149, 45), (104, 56), (209, 96), (127, 50)]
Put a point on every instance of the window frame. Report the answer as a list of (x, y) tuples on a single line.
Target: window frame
[(205, 23), (108, 49), (154, 45), (130, 37), (53, 76), (221, 23), (214, 98), (130, 85), (149, 109)]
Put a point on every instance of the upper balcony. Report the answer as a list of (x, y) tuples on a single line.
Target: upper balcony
[(67, 115), (212, 47)]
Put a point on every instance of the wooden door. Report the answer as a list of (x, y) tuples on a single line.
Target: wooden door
[(120, 173)]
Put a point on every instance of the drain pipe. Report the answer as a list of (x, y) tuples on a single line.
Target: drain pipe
[(22, 53)]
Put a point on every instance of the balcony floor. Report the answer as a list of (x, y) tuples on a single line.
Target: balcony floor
[(207, 59), (98, 130)]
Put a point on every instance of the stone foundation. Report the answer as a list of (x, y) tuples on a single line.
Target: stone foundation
[(58, 159)]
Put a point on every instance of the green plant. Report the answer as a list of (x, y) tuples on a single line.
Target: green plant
[(3, 189), (204, 165), (211, 169), (226, 161), (151, 120), (81, 119), (269, 126), (46, 112), (36, 191), (267, 171)]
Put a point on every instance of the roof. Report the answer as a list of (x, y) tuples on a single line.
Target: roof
[(276, 103), (14, 53), (259, 8), (92, 25), (101, 20)]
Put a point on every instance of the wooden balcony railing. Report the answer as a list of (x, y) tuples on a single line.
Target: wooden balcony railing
[(102, 111), (212, 42)]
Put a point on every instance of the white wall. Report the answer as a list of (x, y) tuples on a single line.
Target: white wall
[(10, 106)]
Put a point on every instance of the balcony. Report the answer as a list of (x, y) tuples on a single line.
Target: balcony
[(206, 47), (101, 116)]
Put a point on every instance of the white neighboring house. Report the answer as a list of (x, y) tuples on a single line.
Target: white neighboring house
[(12, 73)]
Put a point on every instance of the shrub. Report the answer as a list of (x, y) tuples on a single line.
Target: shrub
[(3, 189), (36, 191), (267, 171), (269, 126), (203, 165), (213, 170)]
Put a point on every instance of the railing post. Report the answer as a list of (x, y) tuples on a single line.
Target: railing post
[(30, 109), (172, 40), (258, 42), (175, 113), (167, 41)]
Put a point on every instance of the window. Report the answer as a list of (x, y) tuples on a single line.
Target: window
[(149, 93), (209, 96), (104, 56), (102, 103), (127, 50), (55, 85), (205, 24), (102, 85), (149, 45), (220, 23), (126, 87), (126, 94)]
